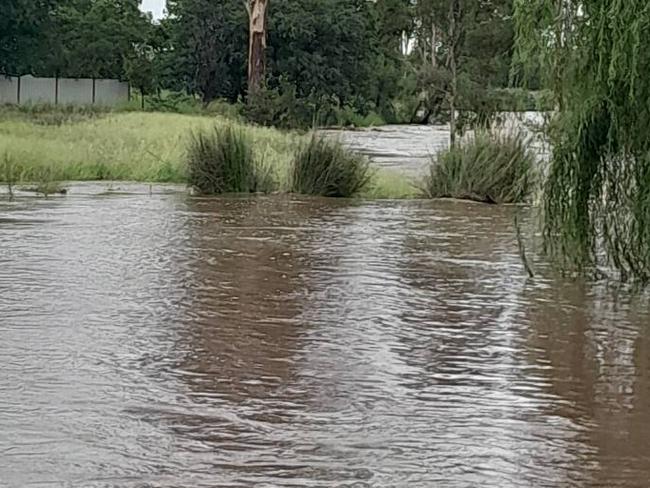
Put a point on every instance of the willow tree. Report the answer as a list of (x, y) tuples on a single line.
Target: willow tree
[(596, 199)]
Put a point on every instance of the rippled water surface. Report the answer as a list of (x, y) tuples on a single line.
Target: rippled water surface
[(167, 341)]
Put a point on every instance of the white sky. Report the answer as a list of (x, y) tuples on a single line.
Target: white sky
[(154, 6)]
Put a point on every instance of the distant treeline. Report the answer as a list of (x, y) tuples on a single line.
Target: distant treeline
[(402, 60)]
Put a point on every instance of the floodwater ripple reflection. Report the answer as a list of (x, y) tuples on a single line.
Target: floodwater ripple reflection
[(163, 340)]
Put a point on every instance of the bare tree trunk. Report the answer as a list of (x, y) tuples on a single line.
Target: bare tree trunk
[(257, 12)]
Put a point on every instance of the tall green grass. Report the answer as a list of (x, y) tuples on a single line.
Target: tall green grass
[(324, 167), (222, 161), (132, 146), (141, 146), (487, 167)]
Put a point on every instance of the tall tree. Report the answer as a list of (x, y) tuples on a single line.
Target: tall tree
[(208, 52), (464, 48), (258, 14), (96, 36), (26, 34)]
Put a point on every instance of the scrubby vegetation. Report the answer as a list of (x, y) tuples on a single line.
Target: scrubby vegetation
[(486, 167), (324, 167), (222, 160)]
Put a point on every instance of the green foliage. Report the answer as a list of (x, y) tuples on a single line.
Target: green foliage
[(462, 59), (223, 161), (487, 167), (137, 146), (348, 117), (175, 102), (74, 38), (321, 54), (596, 209), (279, 107), (223, 108), (26, 33), (210, 48), (324, 167)]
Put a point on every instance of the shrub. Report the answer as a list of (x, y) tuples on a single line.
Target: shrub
[(324, 167), (279, 107), (347, 116), (487, 167), (222, 161), (226, 109)]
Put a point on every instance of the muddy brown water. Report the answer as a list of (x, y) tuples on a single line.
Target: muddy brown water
[(161, 340)]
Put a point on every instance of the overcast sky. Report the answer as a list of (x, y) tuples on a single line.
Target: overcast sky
[(154, 6)]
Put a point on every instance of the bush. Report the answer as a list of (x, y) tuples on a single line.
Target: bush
[(222, 161), (279, 107), (488, 167), (226, 109), (326, 168), (347, 116)]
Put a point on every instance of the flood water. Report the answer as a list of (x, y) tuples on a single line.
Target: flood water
[(161, 340), (404, 148)]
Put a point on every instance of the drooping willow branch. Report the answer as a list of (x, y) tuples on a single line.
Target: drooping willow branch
[(596, 200)]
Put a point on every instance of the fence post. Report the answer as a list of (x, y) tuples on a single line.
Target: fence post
[(56, 90), (18, 91), (93, 91)]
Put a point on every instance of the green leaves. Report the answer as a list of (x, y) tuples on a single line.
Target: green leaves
[(595, 201)]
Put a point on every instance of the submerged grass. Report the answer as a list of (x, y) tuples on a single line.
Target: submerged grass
[(488, 167), (223, 161), (326, 168)]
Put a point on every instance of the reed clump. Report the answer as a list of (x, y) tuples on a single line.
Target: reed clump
[(222, 160), (324, 167), (488, 167)]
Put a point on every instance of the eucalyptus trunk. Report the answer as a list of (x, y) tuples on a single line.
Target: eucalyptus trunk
[(258, 15)]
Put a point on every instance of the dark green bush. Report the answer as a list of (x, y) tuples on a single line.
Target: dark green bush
[(488, 167), (279, 107), (222, 161), (324, 167)]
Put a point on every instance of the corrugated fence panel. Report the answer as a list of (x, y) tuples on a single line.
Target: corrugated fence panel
[(75, 91), (66, 91), (8, 89), (37, 90), (111, 92)]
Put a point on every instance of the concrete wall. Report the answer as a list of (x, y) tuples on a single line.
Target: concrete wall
[(75, 92), (8, 89), (37, 90), (63, 91), (111, 92)]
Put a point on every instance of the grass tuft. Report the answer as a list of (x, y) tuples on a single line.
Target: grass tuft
[(488, 167), (324, 167), (222, 161)]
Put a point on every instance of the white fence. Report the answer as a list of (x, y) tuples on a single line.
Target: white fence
[(25, 90)]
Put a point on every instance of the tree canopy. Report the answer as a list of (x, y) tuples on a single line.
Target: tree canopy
[(391, 57)]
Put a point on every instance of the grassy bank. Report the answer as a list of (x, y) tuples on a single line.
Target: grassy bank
[(136, 146)]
